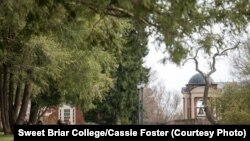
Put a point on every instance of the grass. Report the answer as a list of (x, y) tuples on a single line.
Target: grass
[(6, 137)]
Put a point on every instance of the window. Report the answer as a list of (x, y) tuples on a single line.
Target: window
[(66, 114), (200, 108)]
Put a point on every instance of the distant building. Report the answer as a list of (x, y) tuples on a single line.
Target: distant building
[(193, 107), (65, 113)]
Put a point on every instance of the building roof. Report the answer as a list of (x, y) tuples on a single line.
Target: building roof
[(197, 79)]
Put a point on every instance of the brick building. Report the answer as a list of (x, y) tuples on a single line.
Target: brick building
[(64, 112)]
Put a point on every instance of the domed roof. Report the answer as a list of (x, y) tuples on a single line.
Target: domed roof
[(197, 79)]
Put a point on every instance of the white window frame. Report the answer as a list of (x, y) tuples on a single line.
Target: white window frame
[(72, 110), (200, 106)]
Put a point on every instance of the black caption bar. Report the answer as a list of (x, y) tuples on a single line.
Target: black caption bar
[(170, 132)]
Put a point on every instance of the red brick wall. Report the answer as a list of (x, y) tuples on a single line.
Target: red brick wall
[(52, 119), (79, 116)]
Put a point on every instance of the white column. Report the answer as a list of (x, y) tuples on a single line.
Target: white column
[(192, 107), (185, 105), (184, 108)]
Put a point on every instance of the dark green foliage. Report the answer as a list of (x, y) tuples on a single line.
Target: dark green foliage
[(121, 102)]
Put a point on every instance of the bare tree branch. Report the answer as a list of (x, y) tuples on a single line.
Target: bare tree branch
[(42, 111), (213, 68), (232, 48), (160, 106), (192, 58), (206, 77)]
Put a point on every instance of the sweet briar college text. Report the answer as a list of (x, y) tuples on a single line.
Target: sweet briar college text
[(97, 131)]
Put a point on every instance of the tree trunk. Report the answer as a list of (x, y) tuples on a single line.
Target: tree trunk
[(25, 103), (5, 98), (207, 109), (11, 98), (34, 111), (1, 125), (42, 111), (17, 102), (2, 103)]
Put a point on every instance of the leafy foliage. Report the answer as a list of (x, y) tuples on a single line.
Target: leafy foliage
[(235, 104), (235, 100)]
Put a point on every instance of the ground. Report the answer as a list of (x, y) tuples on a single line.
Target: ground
[(5, 137)]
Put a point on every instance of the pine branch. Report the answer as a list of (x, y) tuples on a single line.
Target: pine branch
[(120, 13)]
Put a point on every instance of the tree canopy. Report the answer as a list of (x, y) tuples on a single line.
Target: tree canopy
[(120, 103), (79, 45)]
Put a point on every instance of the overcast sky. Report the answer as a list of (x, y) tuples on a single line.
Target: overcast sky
[(173, 78)]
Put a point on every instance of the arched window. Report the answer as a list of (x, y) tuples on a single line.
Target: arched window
[(200, 112)]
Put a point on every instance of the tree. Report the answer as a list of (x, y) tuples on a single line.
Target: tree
[(211, 42), (87, 73), (240, 62), (119, 105), (43, 100), (25, 58), (234, 104), (221, 48), (174, 21), (187, 22), (33, 56), (161, 106)]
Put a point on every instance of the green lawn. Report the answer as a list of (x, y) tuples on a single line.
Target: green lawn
[(6, 137)]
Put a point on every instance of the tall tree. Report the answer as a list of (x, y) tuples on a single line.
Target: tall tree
[(190, 26), (33, 34), (32, 54), (25, 57), (234, 101), (220, 50), (120, 104), (213, 41)]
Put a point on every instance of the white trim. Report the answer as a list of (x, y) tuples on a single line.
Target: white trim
[(72, 116)]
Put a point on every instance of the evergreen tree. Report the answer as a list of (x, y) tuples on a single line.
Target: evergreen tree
[(120, 104)]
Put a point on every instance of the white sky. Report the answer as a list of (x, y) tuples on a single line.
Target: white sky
[(173, 77)]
